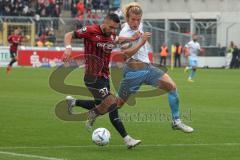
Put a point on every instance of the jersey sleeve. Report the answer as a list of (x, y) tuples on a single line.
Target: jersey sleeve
[(10, 39), (123, 33), (187, 45), (125, 44), (84, 32), (199, 46)]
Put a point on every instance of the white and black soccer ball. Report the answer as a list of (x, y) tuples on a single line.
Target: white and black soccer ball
[(101, 136)]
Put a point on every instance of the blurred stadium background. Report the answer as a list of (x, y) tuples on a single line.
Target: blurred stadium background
[(170, 21), (29, 128)]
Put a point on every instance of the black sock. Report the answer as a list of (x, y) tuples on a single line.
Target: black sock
[(117, 123), (113, 116), (87, 104), (11, 62)]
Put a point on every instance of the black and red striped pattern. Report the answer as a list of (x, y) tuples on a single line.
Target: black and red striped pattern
[(97, 49)]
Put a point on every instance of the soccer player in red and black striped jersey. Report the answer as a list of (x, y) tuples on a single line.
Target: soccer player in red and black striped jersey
[(15, 40), (99, 41)]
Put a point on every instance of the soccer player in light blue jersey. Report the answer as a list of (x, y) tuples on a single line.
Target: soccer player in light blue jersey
[(138, 69), (193, 51)]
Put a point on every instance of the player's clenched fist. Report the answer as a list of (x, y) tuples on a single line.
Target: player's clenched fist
[(146, 36)]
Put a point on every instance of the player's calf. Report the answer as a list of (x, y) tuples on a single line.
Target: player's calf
[(108, 104)]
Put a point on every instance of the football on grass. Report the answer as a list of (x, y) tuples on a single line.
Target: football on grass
[(101, 136)]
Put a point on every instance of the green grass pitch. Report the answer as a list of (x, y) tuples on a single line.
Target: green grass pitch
[(29, 128)]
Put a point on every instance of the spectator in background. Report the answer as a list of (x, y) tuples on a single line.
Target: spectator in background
[(1, 7), (177, 54), (44, 8), (80, 8), (229, 55), (57, 10), (41, 1), (50, 36), (89, 5), (41, 40), (104, 6), (47, 38), (74, 7), (7, 8), (26, 11), (59, 2), (80, 13), (95, 18), (32, 7), (66, 5), (95, 4), (17, 7), (114, 5), (56, 13), (163, 54), (235, 58), (39, 43), (51, 8)]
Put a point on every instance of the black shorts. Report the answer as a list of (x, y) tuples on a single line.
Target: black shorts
[(99, 87), (13, 54)]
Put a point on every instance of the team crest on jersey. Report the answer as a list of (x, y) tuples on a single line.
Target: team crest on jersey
[(83, 29)]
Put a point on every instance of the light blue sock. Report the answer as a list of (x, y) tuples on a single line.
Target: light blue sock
[(173, 101), (190, 67), (192, 74)]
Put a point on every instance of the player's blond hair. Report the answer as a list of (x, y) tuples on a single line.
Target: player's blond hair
[(132, 8)]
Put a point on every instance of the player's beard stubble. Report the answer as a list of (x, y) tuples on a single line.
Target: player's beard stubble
[(105, 33)]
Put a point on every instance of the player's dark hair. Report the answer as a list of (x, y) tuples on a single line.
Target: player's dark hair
[(114, 17)]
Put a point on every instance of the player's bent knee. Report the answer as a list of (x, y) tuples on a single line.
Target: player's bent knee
[(110, 103), (171, 86), (109, 100), (167, 84)]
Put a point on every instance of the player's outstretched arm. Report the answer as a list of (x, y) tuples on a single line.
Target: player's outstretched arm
[(131, 50), (68, 48), (201, 52), (122, 39)]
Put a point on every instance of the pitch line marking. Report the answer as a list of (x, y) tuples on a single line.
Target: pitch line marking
[(142, 145), (28, 155)]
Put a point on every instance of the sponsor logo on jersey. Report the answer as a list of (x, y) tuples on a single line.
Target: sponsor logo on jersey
[(107, 47)]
